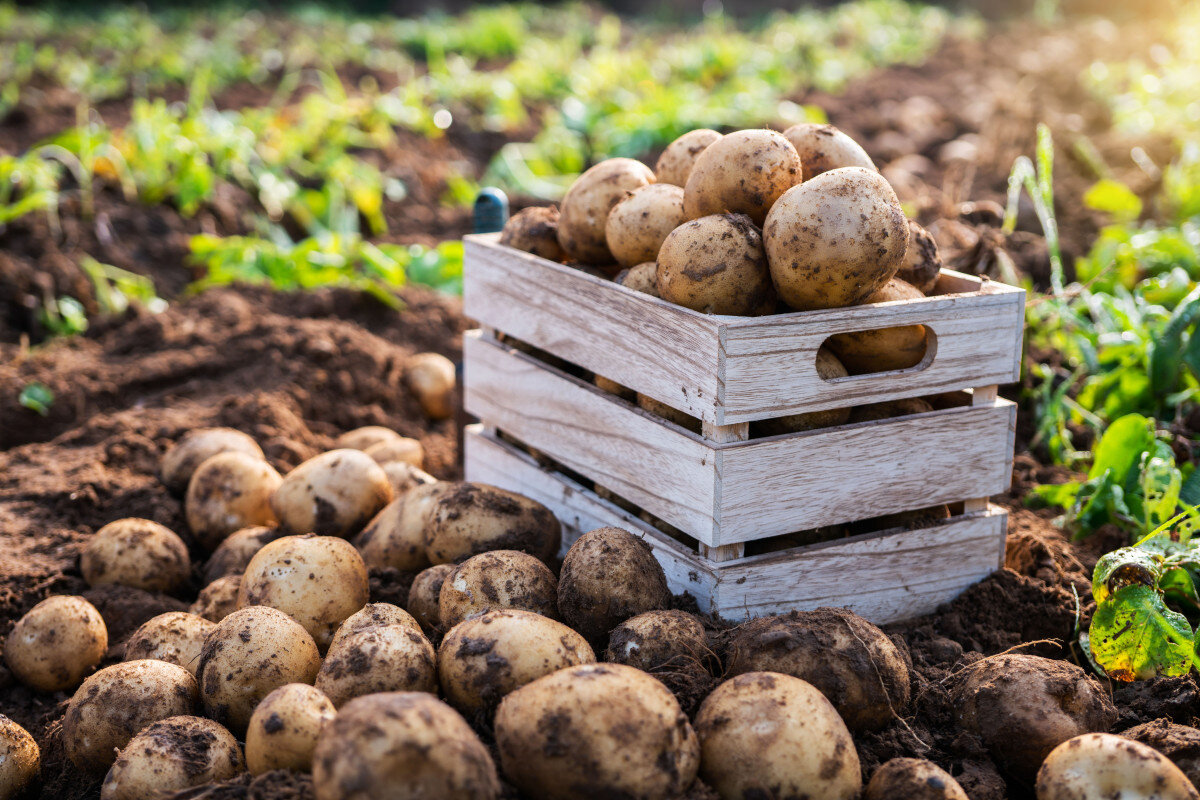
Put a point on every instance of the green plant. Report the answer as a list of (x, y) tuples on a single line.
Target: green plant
[(36, 397)]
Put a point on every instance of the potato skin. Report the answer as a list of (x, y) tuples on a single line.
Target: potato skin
[(883, 349), (425, 594), (889, 409), (922, 262), (405, 477), (175, 637), (581, 223), (534, 230), (431, 377), (472, 518), (392, 658), (401, 746), (659, 639), (284, 727), (172, 755), (56, 643), (402, 448), (743, 172), (138, 553), (716, 265), (638, 224), (233, 555), (828, 368), (228, 492), (764, 734), (596, 730), (640, 278), (832, 241), (197, 446), (497, 579), (1101, 765), (825, 147), (364, 437), (912, 779), (395, 537), (374, 615), (675, 164), (846, 658), (219, 599), (20, 759), (332, 494)]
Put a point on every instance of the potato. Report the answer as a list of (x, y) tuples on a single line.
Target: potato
[(402, 449), (832, 241), (1100, 765), (233, 555), (657, 640), (20, 759), (110, 707), (228, 492), (716, 265), (534, 230), (405, 477), (219, 599), (138, 553), (472, 518), (333, 494), (488, 656), (1022, 707), (640, 278), (828, 368), (608, 576), (638, 224), (250, 653), (922, 263), (283, 729), (396, 536), (912, 779), (433, 379), (374, 615), (170, 756), (675, 164), (401, 746), (672, 415), (848, 659), (175, 637), (889, 409), (56, 643), (824, 147), (1180, 743), (581, 225), (425, 594), (764, 734), (497, 579), (390, 658), (197, 446), (318, 581), (596, 730), (883, 349), (743, 172), (365, 437)]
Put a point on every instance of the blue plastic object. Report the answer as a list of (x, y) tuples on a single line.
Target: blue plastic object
[(491, 210)]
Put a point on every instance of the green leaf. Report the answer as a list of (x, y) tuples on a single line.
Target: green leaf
[(1114, 198), (1134, 636), (1120, 449), (36, 397)]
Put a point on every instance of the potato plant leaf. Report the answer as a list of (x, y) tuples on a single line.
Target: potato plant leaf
[(36, 397), (1134, 636)]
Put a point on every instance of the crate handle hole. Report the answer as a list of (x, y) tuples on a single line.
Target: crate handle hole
[(879, 351)]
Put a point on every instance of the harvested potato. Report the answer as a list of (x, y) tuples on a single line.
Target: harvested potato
[(20, 759), (848, 659), (219, 599), (912, 520), (675, 164), (318, 581), (396, 536), (484, 658), (596, 730), (608, 576), (391, 658), (405, 477), (228, 492), (638, 224), (175, 637), (110, 707), (1180, 743), (56, 643), (197, 446), (922, 263), (640, 278), (1022, 707), (672, 415), (432, 378), (283, 729), (828, 368), (365, 437), (138, 553), (765, 734), (402, 449), (471, 518), (534, 230), (889, 409), (401, 746), (497, 579), (659, 640), (233, 555), (716, 264), (581, 225), (374, 615), (333, 494), (170, 756), (834, 240), (250, 653), (1101, 765), (883, 349), (743, 172), (912, 779), (425, 594), (824, 147)]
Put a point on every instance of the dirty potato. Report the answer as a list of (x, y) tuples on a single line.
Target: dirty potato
[(889, 409), (333, 494), (396, 536), (56, 643), (233, 554), (471, 518), (922, 263), (228, 492), (175, 637), (638, 224), (404, 477), (20, 759), (828, 368), (581, 224), (675, 164), (364, 437), (534, 230), (172, 755), (716, 265), (283, 729), (656, 640), (433, 379), (640, 278), (402, 449), (219, 599), (425, 594), (912, 779), (197, 446), (497, 579), (824, 147), (743, 172), (138, 553), (374, 615), (1101, 765), (390, 658), (883, 349)]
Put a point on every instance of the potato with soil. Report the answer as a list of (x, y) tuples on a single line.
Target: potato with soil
[(219, 599), (401, 746), (233, 555), (912, 779), (639, 223), (848, 659), (596, 730), (834, 240), (608, 576), (828, 368), (676, 162), (374, 615), (227, 493), (581, 224), (138, 553), (922, 263), (716, 265), (1101, 765), (405, 477), (433, 379), (883, 349), (743, 172), (1022, 707), (247, 656), (318, 581), (640, 278), (497, 579), (175, 637), (472, 518), (425, 594), (658, 640), (825, 147), (488, 656), (20, 759), (170, 756), (1180, 743), (56, 643), (197, 446), (365, 437), (396, 536), (284, 728), (765, 734), (534, 230), (890, 409), (333, 494), (391, 658), (113, 705), (402, 449)]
